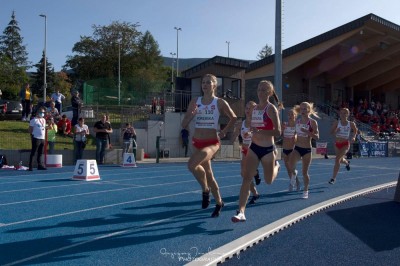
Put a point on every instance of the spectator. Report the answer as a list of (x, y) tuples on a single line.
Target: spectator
[(129, 137), (57, 98), (162, 105), (53, 112), (37, 127), (51, 134), (80, 139), (102, 129), (154, 105), (64, 126), (109, 138), (185, 139), (26, 99), (76, 106)]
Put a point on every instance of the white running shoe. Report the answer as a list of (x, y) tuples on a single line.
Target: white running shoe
[(278, 164), (293, 179), (305, 195), (239, 217)]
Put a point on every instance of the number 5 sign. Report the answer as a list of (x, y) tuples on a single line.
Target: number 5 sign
[(86, 170)]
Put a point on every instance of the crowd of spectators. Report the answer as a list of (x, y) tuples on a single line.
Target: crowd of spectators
[(383, 120)]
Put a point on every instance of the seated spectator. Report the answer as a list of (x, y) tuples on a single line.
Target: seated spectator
[(64, 127), (53, 112), (376, 128)]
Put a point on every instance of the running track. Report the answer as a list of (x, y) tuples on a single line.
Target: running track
[(151, 215)]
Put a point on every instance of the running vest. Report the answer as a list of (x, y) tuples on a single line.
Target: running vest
[(207, 115), (261, 120), (289, 132), (344, 131), (243, 131), (299, 126)]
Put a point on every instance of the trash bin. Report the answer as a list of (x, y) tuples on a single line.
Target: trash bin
[(140, 155), (166, 153)]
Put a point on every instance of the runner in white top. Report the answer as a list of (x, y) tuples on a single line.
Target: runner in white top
[(205, 111), (306, 130), (342, 129), (288, 142), (246, 134)]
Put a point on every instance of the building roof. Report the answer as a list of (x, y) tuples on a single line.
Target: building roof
[(364, 21)]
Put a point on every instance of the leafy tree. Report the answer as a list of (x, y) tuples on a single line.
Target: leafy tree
[(265, 52), (11, 44), (96, 57), (62, 82), (38, 77)]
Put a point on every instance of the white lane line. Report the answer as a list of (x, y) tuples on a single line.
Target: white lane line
[(94, 192), (94, 208), (127, 231), (227, 251), (86, 183)]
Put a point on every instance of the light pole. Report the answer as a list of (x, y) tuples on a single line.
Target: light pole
[(119, 72), (172, 70), (228, 42), (177, 50), (44, 59)]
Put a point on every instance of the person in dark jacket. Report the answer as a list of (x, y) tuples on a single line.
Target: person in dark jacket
[(76, 103)]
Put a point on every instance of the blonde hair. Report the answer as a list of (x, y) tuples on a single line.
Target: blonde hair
[(212, 77), (310, 107), (251, 103), (346, 110), (271, 86)]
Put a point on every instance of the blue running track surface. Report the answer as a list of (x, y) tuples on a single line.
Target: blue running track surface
[(151, 215)]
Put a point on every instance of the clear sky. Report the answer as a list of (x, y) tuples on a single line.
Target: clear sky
[(206, 24)]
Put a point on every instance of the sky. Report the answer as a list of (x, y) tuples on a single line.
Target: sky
[(207, 25)]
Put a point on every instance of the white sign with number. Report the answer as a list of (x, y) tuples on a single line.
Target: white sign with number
[(86, 170), (129, 160)]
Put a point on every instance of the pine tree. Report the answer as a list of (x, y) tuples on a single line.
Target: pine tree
[(38, 77), (11, 44), (265, 52)]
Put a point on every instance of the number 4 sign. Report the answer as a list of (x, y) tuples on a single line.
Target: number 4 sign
[(129, 160), (86, 170)]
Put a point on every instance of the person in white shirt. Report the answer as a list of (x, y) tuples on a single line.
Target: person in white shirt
[(37, 129), (57, 98), (342, 129), (80, 138), (205, 110)]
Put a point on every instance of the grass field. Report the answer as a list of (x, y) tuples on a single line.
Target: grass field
[(14, 136)]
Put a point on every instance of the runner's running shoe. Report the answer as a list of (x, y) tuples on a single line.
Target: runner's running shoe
[(254, 199), (257, 178), (206, 200), (332, 181), (348, 166), (239, 217), (305, 195), (217, 210)]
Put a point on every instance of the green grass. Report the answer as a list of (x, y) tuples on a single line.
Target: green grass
[(14, 136)]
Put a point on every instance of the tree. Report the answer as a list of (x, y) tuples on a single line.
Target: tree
[(11, 44), (38, 77), (150, 62), (265, 52), (96, 56), (13, 61)]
